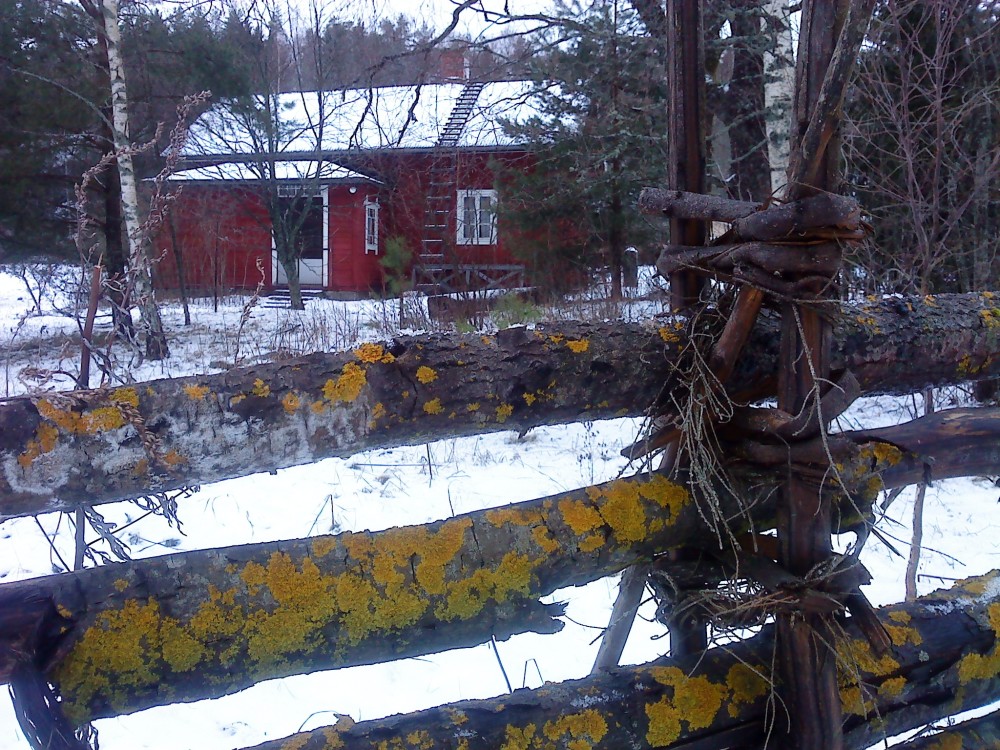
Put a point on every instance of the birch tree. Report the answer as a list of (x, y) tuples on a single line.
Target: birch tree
[(140, 260)]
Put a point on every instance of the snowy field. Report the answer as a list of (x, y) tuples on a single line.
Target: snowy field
[(383, 488)]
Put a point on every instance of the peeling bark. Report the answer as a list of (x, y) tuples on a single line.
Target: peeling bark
[(945, 658), (59, 451)]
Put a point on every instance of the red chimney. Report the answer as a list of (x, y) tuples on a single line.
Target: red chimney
[(454, 65)]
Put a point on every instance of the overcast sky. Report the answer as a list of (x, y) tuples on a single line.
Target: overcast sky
[(436, 12)]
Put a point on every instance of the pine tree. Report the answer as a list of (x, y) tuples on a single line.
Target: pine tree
[(598, 139)]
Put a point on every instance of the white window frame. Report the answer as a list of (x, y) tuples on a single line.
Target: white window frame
[(482, 233), (371, 225)]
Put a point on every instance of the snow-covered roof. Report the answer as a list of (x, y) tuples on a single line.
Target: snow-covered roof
[(322, 171), (363, 119)]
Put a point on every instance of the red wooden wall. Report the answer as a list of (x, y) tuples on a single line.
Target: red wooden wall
[(222, 232)]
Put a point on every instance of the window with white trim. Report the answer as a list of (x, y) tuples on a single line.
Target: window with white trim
[(371, 226), (477, 217)]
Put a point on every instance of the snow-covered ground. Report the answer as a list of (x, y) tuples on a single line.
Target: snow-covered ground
[(383, 488)]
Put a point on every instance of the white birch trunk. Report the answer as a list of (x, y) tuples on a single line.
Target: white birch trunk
[(779, 84), (137, 248)]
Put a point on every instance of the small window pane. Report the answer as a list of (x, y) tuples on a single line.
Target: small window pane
[(469, 217)]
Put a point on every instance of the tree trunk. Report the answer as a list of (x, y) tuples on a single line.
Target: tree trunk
[(61, 450), (743, 107), (779, 85), (141, 262), (722, 699)]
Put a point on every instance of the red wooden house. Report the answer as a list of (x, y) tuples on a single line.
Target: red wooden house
[(414, 162)]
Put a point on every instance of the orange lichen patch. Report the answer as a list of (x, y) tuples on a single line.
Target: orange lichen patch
[(100, 419), (519, 738), (420, 739), (503, 412), (557, 338), (745, 685), (591, 543), (173, 458), (893, 687), (544, 539), (852, 701), (239, 397), (127, 396), (97, 420), (901, 616), (332, 736), (141, 467), (46, 437), (112, 657), (486, 340), (983, 666), (426, 374), (468, 596), (290, 402), (694, 700), (458, 718), (372, 353), (990, 318), (880, 455), (579, 731), (930, 301), (433, 406), (260, 389), (855, 654), (295, 742), (622, 505), (668, 336), (582, 518), (324, 545), (514, 516), (347, 387), (120, 584), (529, 398), (286, 607), (474, 406), (196, 392), (903, 634), (578, 346)]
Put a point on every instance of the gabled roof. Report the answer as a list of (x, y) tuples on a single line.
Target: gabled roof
[(391, 117)]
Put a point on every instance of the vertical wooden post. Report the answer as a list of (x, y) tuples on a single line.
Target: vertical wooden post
[(686, 142), (686, 171), (807, 656)]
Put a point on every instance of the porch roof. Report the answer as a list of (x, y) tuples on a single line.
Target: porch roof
[(324, 172)]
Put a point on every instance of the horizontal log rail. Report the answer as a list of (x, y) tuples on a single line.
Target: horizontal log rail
[(58, 451), (939, 664)]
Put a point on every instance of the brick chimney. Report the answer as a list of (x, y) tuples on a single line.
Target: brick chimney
[(454, 64)]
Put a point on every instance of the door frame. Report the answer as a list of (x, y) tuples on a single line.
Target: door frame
[(277, 271)]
